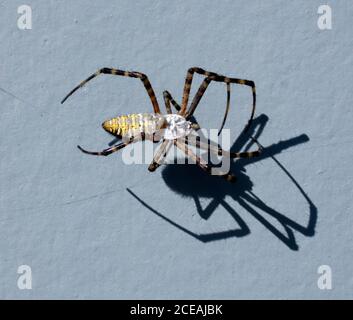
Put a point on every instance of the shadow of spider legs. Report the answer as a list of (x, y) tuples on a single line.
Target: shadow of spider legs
[(191, 181)]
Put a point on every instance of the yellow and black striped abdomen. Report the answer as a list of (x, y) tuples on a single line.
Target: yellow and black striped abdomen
[(132, 124)]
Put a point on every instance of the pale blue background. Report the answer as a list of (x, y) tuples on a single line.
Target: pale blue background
[(70, 217)]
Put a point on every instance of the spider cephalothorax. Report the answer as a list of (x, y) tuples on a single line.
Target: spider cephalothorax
[(169, 128)]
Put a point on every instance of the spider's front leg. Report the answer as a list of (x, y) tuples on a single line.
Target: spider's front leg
[(169, 99), (211, 76), (117, 72)]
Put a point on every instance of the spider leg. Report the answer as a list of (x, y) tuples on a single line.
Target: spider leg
[(227, 109), (211, 76), (160, 154), (198, 97), (186, 91), (110, 150), (131, 74), (248, 154), (169, 99), (216, 149), (200, 162)]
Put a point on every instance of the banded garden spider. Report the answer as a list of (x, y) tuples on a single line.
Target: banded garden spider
[(170, 128)]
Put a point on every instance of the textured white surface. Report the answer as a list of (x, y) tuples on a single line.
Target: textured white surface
[(69, 215)]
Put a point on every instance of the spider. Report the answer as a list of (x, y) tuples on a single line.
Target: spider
[(170, 128)]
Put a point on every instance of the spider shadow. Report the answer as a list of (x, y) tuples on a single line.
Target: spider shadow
[(191, 181)]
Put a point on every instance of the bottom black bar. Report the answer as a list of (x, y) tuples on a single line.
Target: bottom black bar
[(175, 309)]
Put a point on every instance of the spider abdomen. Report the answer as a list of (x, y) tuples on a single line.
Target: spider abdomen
[(133, 124)]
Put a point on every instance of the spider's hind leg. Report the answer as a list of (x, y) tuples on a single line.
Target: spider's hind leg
[(110, 150), (248, 154), (217, 149), (105, 152), (201, 163)]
